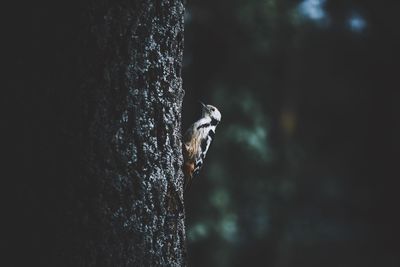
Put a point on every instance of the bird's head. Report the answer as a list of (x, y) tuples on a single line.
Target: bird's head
[(212, 112)]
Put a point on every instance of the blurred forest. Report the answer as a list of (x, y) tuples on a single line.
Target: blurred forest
[(303, 169)]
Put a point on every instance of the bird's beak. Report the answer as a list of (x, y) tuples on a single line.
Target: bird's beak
[(202, 104)]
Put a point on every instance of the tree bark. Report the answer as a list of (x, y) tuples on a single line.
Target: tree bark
[(105, 142)]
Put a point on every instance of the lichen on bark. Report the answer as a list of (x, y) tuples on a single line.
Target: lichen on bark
[(134, 155)]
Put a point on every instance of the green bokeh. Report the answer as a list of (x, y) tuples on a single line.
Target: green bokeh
[(290, 179)]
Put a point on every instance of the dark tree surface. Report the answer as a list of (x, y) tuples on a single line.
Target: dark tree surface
[(100, 146)]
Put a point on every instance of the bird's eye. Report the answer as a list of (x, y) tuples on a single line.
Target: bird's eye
[(212, 109)]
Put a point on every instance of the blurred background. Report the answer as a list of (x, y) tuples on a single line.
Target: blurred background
[(303, 168)]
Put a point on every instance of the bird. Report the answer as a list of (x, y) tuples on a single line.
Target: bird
[(197, 140)]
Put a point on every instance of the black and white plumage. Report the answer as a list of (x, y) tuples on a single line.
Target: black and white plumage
[(197, 141)]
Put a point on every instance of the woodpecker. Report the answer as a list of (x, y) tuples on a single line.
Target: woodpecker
[(197, 140)]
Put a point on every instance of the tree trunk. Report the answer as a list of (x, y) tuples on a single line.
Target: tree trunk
[(103, 140)]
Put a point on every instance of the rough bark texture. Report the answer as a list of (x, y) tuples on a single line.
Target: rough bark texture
[(105, 137), (136, 158)]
